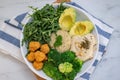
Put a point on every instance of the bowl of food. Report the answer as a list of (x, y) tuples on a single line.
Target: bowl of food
[(59, 42)]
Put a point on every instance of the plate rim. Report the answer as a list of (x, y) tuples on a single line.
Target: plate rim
[(78, 75)]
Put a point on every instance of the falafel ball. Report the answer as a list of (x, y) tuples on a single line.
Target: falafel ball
[(31, 57), (37, 65), (34, 45), (39, 56), (45, 48)]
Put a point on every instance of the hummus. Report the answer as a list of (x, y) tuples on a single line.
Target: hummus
[(84, 46)]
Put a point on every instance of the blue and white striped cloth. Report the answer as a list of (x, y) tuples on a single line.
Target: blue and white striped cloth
[(10, 38)]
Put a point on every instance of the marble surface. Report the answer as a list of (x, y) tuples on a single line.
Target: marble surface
[(107, 10)]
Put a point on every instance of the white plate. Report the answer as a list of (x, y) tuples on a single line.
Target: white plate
[(80, 17)]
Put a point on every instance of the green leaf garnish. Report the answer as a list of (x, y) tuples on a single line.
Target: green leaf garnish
[(58, 41)]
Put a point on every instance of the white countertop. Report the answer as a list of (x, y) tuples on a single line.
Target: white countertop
[(106, 10)]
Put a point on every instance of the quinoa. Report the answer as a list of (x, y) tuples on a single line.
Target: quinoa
[(66, 41)]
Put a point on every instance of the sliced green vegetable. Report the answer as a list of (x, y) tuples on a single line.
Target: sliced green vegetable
[(67, 19), (81, 28)]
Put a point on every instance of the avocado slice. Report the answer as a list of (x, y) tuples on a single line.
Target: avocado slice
[(81, 28), (67, 19)]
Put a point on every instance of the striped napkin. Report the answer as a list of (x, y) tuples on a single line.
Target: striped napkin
[(10, 38)]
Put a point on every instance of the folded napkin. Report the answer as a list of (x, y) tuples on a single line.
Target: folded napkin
[(10, 38)]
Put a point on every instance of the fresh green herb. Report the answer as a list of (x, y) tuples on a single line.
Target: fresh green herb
[(43, 23), (58, 41), (53, 67)]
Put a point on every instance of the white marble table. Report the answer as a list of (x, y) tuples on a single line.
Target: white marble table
[(107, 10)]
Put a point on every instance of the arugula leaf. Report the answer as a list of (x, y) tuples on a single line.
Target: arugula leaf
[(58, 41), (43, 22)]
